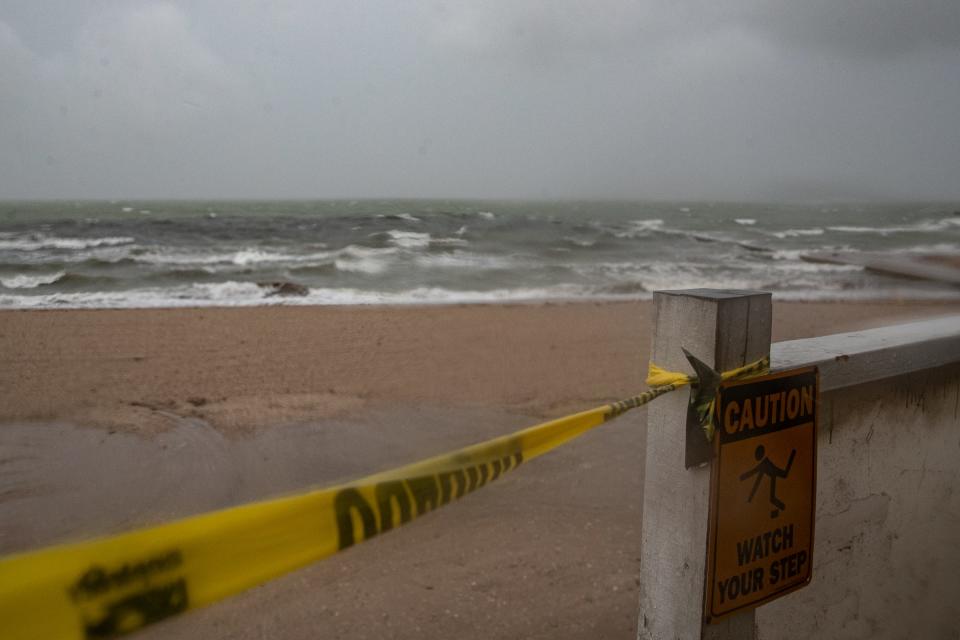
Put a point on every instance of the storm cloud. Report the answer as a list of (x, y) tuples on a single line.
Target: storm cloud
[(750, 100)]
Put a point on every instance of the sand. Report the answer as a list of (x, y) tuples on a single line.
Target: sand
[(113, 419), (241, 368)]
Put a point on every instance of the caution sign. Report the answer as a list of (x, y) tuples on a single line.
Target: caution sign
[(763, 488)]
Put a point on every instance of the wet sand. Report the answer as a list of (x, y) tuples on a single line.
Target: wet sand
[(244, 368), (115, 419)]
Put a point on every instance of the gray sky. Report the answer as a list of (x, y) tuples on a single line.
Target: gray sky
[(747, 99)]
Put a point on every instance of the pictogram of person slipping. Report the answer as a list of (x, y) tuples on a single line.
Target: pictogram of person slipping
[(765, 467)]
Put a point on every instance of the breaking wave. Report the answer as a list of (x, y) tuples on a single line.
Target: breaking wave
[(39, 241), (924, 226), (794, 233), (403, 252), (24, 281)]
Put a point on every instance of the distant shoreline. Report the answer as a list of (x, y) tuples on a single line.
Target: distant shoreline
[(946, 298)]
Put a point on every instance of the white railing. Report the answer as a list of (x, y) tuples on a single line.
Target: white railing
[(848, 359)]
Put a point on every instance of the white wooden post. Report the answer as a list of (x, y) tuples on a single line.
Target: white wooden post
[(725, 329)]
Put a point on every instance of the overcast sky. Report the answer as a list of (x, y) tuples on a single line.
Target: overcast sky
[(747, 99)]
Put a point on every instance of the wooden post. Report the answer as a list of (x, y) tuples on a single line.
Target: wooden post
[(725, 329)]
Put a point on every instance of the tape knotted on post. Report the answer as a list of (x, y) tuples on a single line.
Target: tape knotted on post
[(704, 384), (659, 377)]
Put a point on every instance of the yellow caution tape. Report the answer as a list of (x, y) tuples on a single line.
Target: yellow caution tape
[(114, 585), (707, 384), (659, 377)]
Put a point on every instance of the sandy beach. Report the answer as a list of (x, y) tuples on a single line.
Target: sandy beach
[(113, 419), (242, 368)]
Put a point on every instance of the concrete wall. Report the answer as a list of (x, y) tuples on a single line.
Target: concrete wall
[(887, 546)]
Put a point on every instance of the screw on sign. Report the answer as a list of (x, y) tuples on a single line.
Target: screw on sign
[(760, 543)]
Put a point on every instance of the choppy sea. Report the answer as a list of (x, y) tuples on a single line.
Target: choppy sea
[(202, 253)]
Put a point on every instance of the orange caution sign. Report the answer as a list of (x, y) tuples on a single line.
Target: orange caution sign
[(763, 488)]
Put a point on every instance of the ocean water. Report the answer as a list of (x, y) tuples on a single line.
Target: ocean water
[(180, 253)]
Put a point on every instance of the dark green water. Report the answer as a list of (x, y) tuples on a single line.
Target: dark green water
[(137, 254)]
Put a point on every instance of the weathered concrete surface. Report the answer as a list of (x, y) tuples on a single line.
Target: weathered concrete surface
[(848, 359), (887, 545)]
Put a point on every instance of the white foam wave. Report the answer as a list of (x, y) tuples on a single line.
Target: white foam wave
[(439, 295), (616, 271), (409, 239), (880, 230), (216, 294), (180, 258), (652, 276), (924, 226), (222, 291), (361, 265), (943, 247), (456, 242), (357, 259), (487, 215), (814, 267), (646, 225), (359, 251), (644, 228), (463, 260), (796, 255), (402, 216), (256, 256), (354, 258), (745, 221), (234, 294), (638, 228), (655, 282), (23, 281), (240, 294), (794, 233), (240, 258), (39, 241)]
